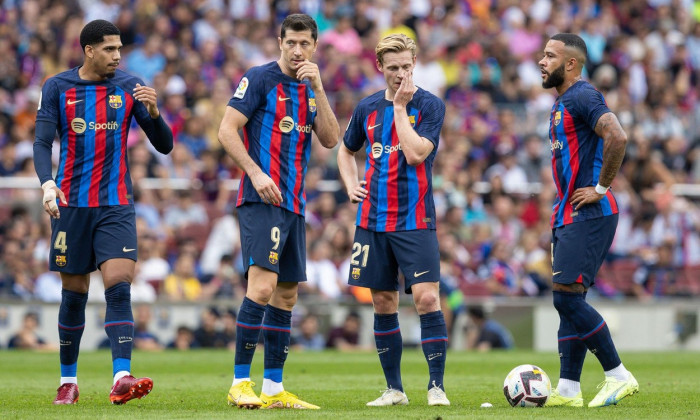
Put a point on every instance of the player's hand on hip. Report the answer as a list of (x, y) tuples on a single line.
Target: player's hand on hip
[(583, 196), (147, 96), (308, 70), (51, 191), (358, 192), (405, 92), (266, 188)]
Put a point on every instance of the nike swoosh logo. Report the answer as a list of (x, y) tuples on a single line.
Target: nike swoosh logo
[(124, 341), (558, 272), (125, 249), (71, 102), (370, 127), (380, 351), (420, 274), (282, 98), (433, 356)]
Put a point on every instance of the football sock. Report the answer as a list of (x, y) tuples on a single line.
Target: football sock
[(71, 324), (387, 336), (276, 332), (572, 351), (433, 332), (248, 325), (620, 373), (590, 327), (568, 388), (119, 325)]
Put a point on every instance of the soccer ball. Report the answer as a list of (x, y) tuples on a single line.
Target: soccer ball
[(527, 386)]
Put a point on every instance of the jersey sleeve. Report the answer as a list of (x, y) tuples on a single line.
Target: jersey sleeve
[(354, 136), (590, 106), (49, 103), (431, 119), (249, 94)]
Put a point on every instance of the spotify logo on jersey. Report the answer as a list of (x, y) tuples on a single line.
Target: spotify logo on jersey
[(376, 150), (78, 125), (286, 124)]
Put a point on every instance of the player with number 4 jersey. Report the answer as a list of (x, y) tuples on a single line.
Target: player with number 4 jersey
[(90, 202)]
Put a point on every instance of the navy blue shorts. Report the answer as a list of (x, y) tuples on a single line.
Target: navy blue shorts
[(377, 256), (275, 239), (85, 237), (578, 249)]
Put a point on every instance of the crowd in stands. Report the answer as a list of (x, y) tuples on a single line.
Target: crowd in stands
[(492, 175)]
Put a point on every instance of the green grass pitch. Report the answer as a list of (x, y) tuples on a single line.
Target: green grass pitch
[(193, 385)]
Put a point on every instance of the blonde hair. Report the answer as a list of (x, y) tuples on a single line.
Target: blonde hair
[(395, 43)]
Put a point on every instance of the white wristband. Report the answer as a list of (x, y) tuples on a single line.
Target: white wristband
[(601, 189)]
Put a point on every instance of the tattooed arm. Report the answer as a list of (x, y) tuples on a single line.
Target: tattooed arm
[(614, 143)]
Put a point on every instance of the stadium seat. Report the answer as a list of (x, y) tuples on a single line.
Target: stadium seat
[(622, 275)]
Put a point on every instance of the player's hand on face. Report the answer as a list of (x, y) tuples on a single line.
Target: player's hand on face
[(405, 92), (147, 96), (583, 196), (358, 193), (266, 188), (308, 70)]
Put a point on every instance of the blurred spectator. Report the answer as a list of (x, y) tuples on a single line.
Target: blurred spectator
[(229, 328), (26, 338), (185, 211), (182, 283), (657, 276), (484, 334), (308, 338), (209, 334), (347, 336), (143, 338), (184, 339)]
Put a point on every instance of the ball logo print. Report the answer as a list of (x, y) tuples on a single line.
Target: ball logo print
[(527, 386), (78, 125), (376, 150)]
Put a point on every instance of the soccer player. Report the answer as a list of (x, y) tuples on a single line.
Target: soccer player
[(277, 105), (588, 145), (400, 129), (93, 226)]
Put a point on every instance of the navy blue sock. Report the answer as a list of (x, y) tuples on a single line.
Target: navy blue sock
[(590, 327), (572, 351), (387, 336), (276, 327), (71, 324), (119, 325), (248, 325), (433, 334)]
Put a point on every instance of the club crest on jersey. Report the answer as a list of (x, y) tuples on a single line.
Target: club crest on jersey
[(412, 120), (312, 104), (274, 257), (242, 88), (115, 101), (557, 118), (356, 273), (61, 260)]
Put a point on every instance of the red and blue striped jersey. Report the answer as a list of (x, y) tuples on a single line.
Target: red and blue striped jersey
[(577, 153), (93, 120), (400, 195), (281, 112)]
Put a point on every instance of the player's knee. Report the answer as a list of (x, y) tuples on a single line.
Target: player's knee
[(385, 302), (116, 277), (427, 302), (260, 293)]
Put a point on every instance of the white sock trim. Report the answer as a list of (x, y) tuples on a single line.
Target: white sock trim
[(271, 387), (568, 388), (120, 374), (237, 381), (69, 380), (619, 373)]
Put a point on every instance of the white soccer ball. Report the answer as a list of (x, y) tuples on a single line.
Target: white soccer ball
[(527, 386)]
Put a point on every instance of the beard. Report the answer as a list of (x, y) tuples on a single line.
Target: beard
[(555, 79)]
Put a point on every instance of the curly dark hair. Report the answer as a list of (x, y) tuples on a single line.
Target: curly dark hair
[(95, 31)]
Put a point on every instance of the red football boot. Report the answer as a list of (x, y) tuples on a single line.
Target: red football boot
[(67, 394), (128, 388)]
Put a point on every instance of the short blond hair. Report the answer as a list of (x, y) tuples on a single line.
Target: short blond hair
[(395, 43)]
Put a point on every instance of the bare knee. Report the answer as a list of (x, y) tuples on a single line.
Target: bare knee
[(426, 301), (385, 302)]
